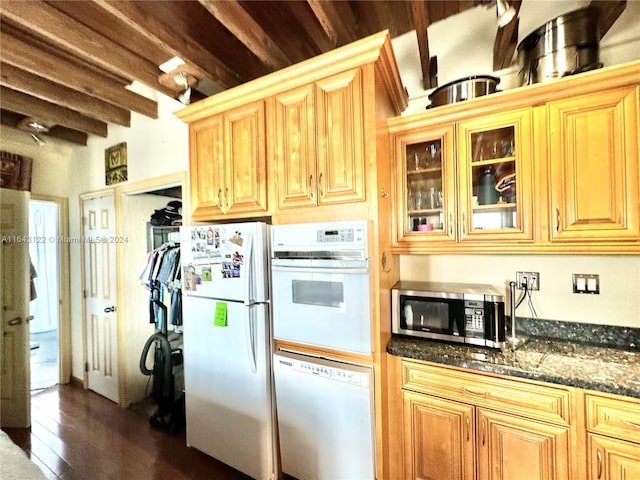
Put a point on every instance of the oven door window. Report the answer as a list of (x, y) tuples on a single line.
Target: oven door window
[(314, 292), (322, 308)]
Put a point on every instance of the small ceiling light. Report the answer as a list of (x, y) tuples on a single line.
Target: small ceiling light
[(505, 12)]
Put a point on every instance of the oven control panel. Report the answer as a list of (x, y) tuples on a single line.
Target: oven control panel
[(340, 235), (320, 236)]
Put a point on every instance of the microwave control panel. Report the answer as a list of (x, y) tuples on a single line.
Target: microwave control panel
[(474, 318)]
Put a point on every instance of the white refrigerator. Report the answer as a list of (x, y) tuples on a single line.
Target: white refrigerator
[(227, 345)]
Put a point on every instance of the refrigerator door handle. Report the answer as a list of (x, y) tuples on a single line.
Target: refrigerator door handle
[(248, 277), (251, 339)]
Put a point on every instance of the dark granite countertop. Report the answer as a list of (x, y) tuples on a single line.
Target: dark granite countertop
[(565, 362)]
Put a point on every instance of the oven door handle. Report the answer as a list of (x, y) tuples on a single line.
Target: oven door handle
[(327, 270)]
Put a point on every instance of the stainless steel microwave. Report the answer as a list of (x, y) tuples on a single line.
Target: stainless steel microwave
[(453, 312)]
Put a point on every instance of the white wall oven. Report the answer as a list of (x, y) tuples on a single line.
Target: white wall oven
[(320, 291), (320, 283)]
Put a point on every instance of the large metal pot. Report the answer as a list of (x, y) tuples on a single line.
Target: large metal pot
[(566, 45), (463, 89)]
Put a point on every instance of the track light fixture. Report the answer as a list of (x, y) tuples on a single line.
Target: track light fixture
[(37, 139), (182, 79), (505, 12)]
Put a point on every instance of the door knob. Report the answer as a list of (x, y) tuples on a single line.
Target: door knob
[(110, 309)]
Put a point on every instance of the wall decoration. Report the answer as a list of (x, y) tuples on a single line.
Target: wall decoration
[(15, 171), (115, 164)]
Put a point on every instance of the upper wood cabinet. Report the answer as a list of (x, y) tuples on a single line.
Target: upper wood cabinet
[(562, 156), (593, 158), (466, 182), (228, 164), (319, 142)]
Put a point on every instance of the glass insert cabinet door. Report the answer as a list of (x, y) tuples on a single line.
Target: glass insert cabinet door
[(425, 167), (495, 188)]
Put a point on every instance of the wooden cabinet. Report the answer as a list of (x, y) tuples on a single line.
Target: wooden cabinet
[(439, 438), (228, 164), (319, 142), (563, 157), (475, 189), (613, 443), (512, 447), (593, 158), (466, 426)]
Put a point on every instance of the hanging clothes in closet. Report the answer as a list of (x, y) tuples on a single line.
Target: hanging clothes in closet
[(162, 275)]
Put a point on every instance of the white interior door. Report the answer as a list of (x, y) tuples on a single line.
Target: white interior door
[(100, 296), (15, 407)]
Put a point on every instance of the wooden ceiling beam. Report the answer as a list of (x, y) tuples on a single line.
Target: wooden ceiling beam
[(50, 114), (73, 36), (236, 19), (176, 43), (332, 22), (304, 16), (26, 82), (609, 12), (428, 65), (12, 119), (27, 57), (506, 40)]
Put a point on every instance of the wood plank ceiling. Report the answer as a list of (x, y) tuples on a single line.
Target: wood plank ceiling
[(65, 66)]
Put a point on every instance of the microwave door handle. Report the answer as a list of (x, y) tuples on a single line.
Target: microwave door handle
[(358, 271), (248, 277)]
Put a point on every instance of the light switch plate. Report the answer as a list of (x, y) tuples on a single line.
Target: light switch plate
[(586, 283)]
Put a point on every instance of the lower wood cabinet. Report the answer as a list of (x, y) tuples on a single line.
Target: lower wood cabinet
[(511, 447), (457, 424), (449, 440), (614, 437), (439, 438), (477, 427), (611, 459)]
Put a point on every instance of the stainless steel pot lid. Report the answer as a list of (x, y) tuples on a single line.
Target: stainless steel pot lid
[(471, 79)]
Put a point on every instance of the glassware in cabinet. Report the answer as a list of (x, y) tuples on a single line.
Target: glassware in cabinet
[(496, 182), (424, 187)]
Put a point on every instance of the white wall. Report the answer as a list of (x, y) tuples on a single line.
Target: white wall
[(464, 46), (154, 148), (50, 167)]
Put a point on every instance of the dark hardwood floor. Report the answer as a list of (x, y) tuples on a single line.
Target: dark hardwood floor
[(79, 435)]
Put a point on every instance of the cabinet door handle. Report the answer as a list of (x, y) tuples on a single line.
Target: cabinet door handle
[(557, 218), (320, 189), (226, 197), (450, 224), (384, 193), (311, 186), (464, 224), (218, 204), (475, 394), (468, 422), (599, 457), (631, 424), (484, 431)]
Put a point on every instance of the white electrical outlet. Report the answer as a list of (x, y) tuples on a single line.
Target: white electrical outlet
[(530, 279)]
